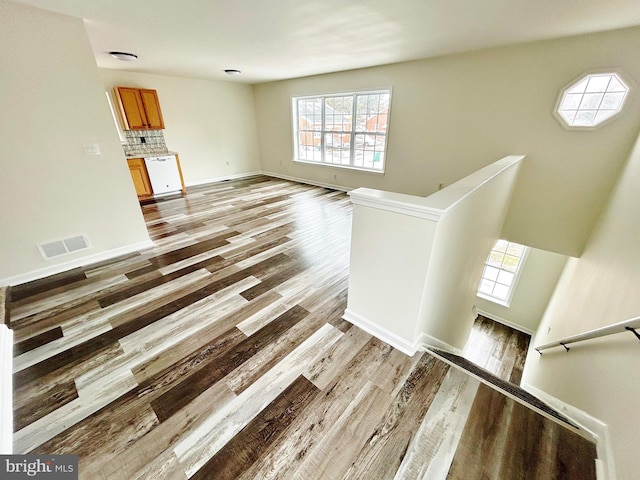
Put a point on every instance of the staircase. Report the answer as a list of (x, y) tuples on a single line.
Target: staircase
[(508, 388)]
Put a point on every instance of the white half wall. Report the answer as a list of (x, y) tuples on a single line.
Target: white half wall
[(390, 254), (416, 261), (53, 104), (463, 240)]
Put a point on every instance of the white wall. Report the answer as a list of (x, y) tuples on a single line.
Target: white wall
[(538, 278), (600, 377), (453, 115), (208, 123), (52, 102)]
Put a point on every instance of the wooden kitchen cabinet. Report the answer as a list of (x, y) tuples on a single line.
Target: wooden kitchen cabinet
[(140, 177), (140, 108)]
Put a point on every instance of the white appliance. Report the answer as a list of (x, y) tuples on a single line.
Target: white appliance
[(163, 174)]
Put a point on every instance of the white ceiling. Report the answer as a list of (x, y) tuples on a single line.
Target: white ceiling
[(277, 39)]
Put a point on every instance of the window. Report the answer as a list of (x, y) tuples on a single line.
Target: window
[(501, 272), (591, 100), (346, 130)]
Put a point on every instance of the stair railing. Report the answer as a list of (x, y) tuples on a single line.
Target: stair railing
[(630, 325)]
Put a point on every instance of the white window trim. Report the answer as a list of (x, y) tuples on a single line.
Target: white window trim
[(514, 284), (294, 117), (627, 79)]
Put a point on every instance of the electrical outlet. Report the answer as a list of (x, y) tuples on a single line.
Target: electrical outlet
[(91, 149)]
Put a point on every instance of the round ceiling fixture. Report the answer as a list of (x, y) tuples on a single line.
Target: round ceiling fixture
[(125, 56), (232, 71)]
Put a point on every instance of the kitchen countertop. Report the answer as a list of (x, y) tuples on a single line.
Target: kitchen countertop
[(151, 154)]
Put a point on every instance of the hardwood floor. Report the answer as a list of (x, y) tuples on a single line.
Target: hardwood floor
[(497, 348), (221, 353)]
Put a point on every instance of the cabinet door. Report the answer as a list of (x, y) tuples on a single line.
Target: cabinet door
[(140, 177), (132, 108), (152, 109)]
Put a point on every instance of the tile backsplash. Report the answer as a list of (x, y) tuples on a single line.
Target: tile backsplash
[(140, 142)]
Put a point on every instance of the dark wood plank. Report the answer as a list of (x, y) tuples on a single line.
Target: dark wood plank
[(498, 348), (46, 319), (37, 341), (45, 403), (207, 339), (192, 250), (254, 439), (183, 393), (24, 290), (387, 446), (504, 439), (273, 281)]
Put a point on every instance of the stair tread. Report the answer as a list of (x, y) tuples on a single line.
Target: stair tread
[(502, 384)]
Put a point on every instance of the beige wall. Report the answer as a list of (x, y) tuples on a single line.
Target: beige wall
[(453, 115), (601, 377), (52, 103), (538, 278), (208, 123)]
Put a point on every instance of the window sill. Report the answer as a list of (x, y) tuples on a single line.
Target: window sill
[(334, 165), (495, 300)]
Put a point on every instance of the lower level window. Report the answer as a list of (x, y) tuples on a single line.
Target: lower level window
[(501, 272), (347, 129)]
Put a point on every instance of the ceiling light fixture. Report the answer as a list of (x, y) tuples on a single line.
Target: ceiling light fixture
[(232, 71), (127, 57)]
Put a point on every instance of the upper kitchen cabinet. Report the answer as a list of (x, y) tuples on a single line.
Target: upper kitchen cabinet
[(140, 108)]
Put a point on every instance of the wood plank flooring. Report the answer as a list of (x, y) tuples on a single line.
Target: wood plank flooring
[(221, 354), (497, 348)]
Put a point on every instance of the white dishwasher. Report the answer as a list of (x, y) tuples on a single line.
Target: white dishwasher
[(163, 174)]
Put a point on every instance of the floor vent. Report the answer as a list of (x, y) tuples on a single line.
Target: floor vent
[(63, 247)]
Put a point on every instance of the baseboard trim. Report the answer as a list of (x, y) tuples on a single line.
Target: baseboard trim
[(380, 333), (426, 341), (506, 322), (605, 467), (306, 181), (234, 176), (78, 262)]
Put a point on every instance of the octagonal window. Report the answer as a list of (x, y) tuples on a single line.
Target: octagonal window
[(592, 100)]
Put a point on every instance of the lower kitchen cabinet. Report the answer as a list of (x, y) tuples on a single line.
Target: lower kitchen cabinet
[(140, 177), (163, 172)]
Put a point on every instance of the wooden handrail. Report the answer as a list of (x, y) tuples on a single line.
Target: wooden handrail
[(630, 325)]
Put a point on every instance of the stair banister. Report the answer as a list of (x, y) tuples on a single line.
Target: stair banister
[(630, 325)]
